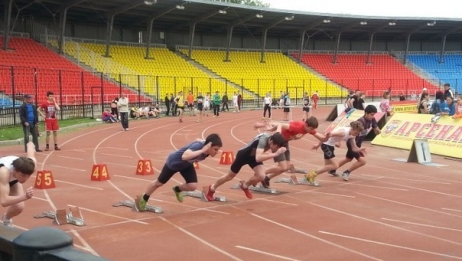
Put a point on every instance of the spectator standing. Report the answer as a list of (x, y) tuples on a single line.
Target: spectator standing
[(167, 104), (306, 106), (216, 104), (122, 105), (448, 91), (114, 110), (315, 98), (267, 105), (29, 119), (190, 101), (235, 103), (239, 101), (224, 101)]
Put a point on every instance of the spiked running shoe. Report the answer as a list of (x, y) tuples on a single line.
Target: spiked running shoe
[(311, 176), (209, 194), (140, 204), (265, 182), (247, 192), (179, 195), (333, 173)]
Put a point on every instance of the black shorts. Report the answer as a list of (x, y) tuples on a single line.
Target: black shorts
[(200, 107), (191, 105), (351, 154), (242, 159), (188, 173), (180, 107), (328, 151), (307, 109), (286, 109)]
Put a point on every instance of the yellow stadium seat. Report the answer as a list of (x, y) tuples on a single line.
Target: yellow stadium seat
[(277, 74)]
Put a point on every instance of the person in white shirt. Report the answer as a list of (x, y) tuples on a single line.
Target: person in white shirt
[(235, 103), (338, 135), (207, 104), (267, 105), (122, 105), (306, 106)]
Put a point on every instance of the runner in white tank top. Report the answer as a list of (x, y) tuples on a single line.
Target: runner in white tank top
[(338, 135), (15, 171)]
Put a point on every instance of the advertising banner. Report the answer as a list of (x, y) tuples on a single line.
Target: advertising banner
[(444, 137)]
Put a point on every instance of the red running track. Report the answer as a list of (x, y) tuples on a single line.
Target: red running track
[(387, 211)]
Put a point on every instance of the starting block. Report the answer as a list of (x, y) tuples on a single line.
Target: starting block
[(294, 181), (292, 169), (259, 188), (131, 204), (201, 195), (61, 216)]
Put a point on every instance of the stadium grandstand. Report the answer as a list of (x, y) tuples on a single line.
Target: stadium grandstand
[(150, 49)]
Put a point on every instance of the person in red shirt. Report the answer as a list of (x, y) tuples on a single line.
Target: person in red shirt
[(315, 98), (48, 111), (290, 131)]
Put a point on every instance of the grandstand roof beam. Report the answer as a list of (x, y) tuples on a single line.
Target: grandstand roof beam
[(447, 32), (369, 50), (70, 3), (302, 37), (339, 36), (408, 40), (375, 30), (349, 26), (192, 26), (312, 25), (8, 8), (453, 30), (151, 21), (337, 45), (381, 27), (230, 29), (62, 21), (410, 32), (443, 45), (112, 13), (265, 33)]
